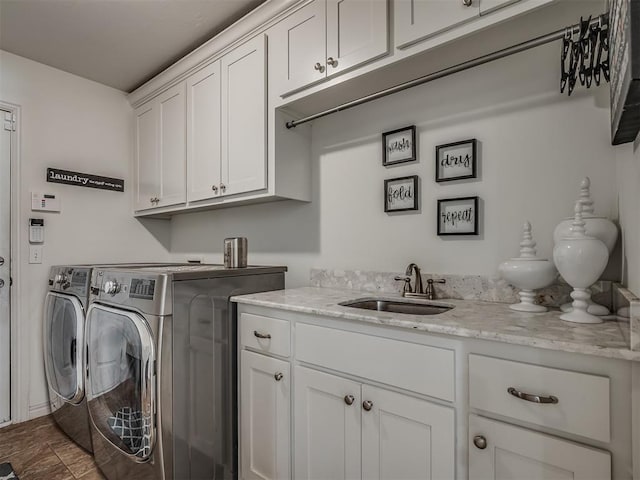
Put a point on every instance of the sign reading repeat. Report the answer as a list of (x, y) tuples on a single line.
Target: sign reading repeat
[(55, 175)]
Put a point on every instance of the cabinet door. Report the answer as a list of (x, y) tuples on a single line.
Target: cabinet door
[(203, 127), (172, 147), (513, 452), (264, 417), (357, 32), (147, 173), (244, 114), (301, 47), (327, 426), (406, 438), (418, 19)]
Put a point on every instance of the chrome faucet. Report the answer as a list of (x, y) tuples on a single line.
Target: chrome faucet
[(417, 292), (406, 278)]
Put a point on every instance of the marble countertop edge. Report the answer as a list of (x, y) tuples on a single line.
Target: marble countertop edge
[(489, 321)]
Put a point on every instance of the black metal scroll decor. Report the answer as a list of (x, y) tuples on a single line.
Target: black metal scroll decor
[(585, 57)]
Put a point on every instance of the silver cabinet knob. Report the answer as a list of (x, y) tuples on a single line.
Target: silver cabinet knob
[(467, 3), (332, 61), (1, 283), (367, 405), (214, 188), (349, 399), (278, 376), (480, 442), (152, 200), (319, 67), (1, 261), (223, 187)]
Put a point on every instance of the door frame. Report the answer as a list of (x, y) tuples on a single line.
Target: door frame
[(19, 359)]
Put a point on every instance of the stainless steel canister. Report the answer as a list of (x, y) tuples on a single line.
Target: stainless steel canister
[(235, 252)]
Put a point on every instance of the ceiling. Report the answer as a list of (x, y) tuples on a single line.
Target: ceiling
[(120, 43)]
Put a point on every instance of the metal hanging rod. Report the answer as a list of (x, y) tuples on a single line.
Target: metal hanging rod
[(505, 52)]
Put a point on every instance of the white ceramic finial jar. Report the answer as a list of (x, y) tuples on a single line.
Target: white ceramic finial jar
[(580, 259), (528, 272), (596, 226)]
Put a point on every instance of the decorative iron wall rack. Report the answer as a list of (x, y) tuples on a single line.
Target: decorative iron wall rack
[(505, 52)]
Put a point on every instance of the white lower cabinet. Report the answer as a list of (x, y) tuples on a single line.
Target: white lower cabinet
[(265, 414), (501, 451), (345, 430), (327, 426), (406, 438)]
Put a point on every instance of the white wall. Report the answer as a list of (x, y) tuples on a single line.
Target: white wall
[(75, 124), (536, 146), (628, 170)]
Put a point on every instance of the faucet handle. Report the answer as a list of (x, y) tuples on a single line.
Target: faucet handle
[(439, 280), (407, 282)]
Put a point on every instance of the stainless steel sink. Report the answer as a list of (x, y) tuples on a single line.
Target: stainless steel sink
[(397, 306)]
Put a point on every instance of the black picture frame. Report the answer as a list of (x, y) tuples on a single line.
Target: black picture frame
[(472, 201), (392, 158), (388, 197), (473, 169)]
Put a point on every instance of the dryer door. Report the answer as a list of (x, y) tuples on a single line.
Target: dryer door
[(63, 340), (121, 379)]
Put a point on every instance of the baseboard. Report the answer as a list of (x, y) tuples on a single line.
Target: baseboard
[(39, 410)]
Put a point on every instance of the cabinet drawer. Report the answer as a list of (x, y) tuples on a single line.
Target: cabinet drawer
[(253, 329), (414, 367), (583, 400)]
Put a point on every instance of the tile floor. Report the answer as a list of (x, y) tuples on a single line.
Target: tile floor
[(39, 450)]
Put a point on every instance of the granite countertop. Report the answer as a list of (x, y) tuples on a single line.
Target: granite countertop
[(469, 318)]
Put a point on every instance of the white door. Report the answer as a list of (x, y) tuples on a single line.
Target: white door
[(147, 176), (512, 452), (406, 438), (357, 32), (265, 396), (5, 256), (203, 127), (172, 127), (301, 49), (327, 426), (418, 19), (244, 118)]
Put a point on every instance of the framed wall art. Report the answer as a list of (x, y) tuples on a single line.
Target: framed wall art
[(401, 194), (456, 161), (458, 216), (399, 146)]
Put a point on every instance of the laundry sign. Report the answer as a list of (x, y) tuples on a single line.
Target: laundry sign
[(55, 175)]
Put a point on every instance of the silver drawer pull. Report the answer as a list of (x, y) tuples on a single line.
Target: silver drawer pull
[(261, 335), (532, 398)]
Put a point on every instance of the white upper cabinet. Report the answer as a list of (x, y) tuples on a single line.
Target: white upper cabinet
[(203, 127), (226, 124), (418, 19), (147, 174), (160, 156), (244, 125), (327, 37), (302, 46), (356, 33)]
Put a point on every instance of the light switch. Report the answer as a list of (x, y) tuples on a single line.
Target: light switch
[(35, 253)]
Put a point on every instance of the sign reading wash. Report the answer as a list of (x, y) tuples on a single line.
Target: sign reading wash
[(55, 175)]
